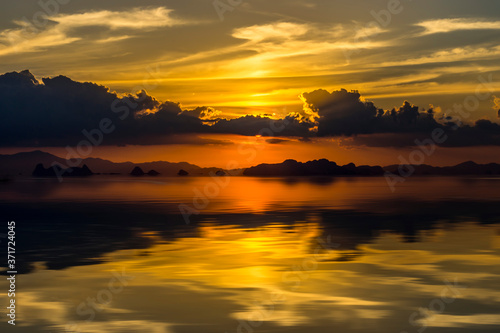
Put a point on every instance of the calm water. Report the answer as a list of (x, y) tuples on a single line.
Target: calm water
[(256, 255)]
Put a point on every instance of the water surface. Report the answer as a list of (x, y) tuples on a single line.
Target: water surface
[(261, 255)]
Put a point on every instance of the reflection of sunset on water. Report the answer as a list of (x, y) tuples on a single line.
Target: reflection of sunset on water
[(250, 166), (253, 195), (279, 275)]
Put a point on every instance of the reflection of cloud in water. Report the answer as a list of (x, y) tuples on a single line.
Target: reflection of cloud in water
[(443, 320), (229, 274)]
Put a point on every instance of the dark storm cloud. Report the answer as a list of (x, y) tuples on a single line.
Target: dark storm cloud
[(343, 113), (59, 111), (54, 112), (276, 141), (261, 125), (483, 133), (205, 113)]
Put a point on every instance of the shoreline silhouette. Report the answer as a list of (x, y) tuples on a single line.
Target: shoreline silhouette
[(32, 163)]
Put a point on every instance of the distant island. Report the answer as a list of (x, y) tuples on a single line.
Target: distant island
[(42, 164), (137, 171), (58, 171), (24, 164), (323, 167), (462, 169)]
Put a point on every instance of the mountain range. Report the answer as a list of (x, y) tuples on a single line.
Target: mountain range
[(24, 164)]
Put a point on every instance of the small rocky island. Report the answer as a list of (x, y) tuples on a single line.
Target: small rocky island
[(58, 171), (137, 171), (153, 173)]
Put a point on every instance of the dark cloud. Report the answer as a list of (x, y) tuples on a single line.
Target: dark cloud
[(54, 112), (276, 141), (57, 112), (261, 125), (205, 113), (343, 113), (483, 133)]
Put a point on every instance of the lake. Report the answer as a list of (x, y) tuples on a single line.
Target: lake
[(115, 254)]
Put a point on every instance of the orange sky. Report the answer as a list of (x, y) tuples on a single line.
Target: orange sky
[(259, 57), (249, 151)]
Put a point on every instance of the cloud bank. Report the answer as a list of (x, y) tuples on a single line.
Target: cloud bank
[(56, 111)]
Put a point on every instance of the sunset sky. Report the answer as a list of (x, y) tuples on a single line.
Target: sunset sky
[(263, 58)]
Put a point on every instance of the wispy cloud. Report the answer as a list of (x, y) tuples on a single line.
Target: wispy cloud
[(17, 41), (276, 49), (61, 28), (136, 18), (449, 56), (113, 39), (305, 46), (456, 24), (279, 30)]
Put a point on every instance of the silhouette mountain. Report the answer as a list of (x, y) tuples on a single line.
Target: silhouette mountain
[(183, 173), (24, 164), (137, 171), (462, 169), (323, 167)]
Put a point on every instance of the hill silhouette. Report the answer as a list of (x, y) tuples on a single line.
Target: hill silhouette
[(462, 169), (26, 164), (321, 167), (57, 171), (137, 171)]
